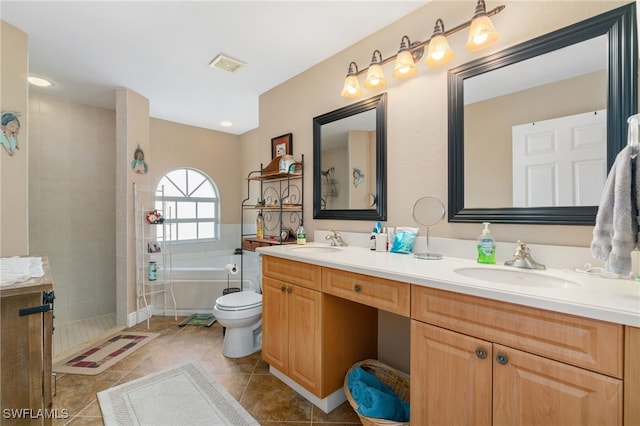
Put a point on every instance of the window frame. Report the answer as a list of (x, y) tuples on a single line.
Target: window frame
[(173, 201)]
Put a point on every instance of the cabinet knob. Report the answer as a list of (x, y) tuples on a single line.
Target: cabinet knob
[(283, 288), (481, 353), (289, 290), (357, 288), (502, 359)]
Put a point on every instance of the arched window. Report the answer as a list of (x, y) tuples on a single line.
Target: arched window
[(192, 199)]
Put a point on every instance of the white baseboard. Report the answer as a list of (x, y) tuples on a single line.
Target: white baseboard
[(326, 404)]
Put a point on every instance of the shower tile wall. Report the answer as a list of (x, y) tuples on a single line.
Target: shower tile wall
[(72, 203)]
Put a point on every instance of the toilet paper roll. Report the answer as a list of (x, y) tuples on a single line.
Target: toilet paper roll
[(231, 268)]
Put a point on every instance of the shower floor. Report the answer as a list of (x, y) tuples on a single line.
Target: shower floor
[(70, 336)]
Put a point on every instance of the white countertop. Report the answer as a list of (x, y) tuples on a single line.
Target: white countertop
[(614, 300)]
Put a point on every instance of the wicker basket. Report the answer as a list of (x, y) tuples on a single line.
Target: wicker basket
[(387, 375)]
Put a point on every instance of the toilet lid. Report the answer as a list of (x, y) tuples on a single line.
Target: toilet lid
[(239, 300)]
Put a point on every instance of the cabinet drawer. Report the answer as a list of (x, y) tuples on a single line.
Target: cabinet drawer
[(592, 344), (391, 296), (300, 273)]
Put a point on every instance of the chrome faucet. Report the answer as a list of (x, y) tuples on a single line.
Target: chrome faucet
[(336, 239), (522, 258)]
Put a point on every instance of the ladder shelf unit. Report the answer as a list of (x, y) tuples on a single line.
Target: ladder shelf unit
[(153, 250)]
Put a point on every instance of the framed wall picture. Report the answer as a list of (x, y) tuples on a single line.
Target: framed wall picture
[(282, 145)]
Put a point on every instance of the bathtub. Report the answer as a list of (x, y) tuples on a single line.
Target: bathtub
[(199, 279)]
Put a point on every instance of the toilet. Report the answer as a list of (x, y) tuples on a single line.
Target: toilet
[(241, 314)]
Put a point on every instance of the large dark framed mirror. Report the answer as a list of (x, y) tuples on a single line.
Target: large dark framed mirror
[(559, 95), (349, 162)]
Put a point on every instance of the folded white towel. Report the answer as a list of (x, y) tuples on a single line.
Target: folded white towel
[(16, 269), (616, 231)]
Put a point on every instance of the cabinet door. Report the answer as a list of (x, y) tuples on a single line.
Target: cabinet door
[(22, 354), (532, 390), (275, 320), (305, 344), (450, 377)]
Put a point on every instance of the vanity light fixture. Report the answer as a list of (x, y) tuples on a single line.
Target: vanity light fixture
[(481, 35), (405, 67), (439, 52), (351, 87), (375, 75)]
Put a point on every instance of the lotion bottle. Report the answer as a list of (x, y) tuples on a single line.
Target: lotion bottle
[(486, 246)]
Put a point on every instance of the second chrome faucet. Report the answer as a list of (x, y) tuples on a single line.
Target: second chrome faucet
[(336, 239), (522, 258)]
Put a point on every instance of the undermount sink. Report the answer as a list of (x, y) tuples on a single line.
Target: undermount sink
[(315, 249), (518, 277)]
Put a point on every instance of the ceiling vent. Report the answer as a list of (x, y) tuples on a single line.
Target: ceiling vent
[(226, 63)]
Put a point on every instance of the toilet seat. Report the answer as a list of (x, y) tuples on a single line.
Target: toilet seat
[(239, 301)]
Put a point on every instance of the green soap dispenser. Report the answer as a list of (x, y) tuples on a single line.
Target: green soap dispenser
[(486, 246)]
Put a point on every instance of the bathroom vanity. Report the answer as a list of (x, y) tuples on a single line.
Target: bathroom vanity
[(560, 347)]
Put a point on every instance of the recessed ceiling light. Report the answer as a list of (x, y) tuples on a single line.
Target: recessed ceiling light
[(226, 123), (40, 82)]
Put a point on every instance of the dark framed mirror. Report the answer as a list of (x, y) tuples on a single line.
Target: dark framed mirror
[(349, 162), (590, 73)]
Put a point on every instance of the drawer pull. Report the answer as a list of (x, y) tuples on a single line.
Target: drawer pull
[(357, 288), (283, 288), (502, 359), (481, 353), (289, 290)]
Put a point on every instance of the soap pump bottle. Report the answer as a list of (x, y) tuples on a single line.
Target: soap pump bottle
[(301, 236), (486, 246)]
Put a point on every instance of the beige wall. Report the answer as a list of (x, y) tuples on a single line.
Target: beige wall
[(417, 112), (72, 203), (216, 154), (14, 178), (132, 131)]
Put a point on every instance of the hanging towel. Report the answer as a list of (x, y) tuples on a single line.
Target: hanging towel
[(616, 229)]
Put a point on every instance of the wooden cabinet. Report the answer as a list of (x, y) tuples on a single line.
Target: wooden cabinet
[(294, 338), (25, 359), (482, 362), (474, 361), (632, 376), (311, 337)]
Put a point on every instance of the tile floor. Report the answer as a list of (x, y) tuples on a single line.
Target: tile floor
[(247, 379)]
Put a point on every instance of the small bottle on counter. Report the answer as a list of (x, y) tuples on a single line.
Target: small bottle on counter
[(372, 238), (260, 226), (301, 236)]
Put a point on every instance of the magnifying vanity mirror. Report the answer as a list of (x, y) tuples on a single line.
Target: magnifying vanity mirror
[(349, 167), (534, 129), (428, 211)]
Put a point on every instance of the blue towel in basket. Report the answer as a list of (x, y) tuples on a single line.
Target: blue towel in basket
[(376, 399)]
